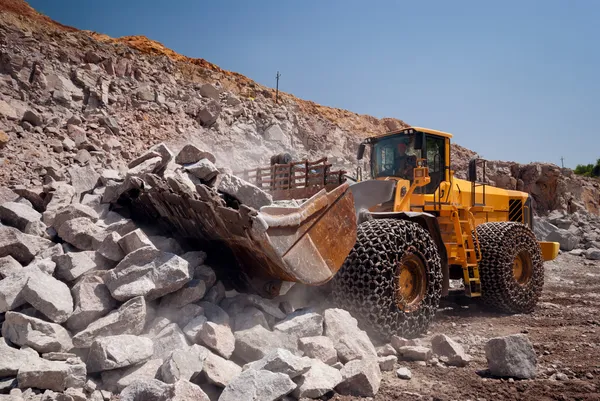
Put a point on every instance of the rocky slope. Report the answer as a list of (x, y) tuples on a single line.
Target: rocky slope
[(70, 96)]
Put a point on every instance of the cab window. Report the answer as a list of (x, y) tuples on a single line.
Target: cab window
[(435, 154)]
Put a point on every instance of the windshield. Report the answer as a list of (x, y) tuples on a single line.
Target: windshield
[(395, 156)]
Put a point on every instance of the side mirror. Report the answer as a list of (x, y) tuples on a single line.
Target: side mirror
[(472, 172), (361, 151)]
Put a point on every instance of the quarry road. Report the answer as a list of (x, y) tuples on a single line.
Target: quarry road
[(564, 330)]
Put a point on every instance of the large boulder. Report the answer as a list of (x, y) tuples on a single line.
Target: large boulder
[(219, 371), (203, 169), (209, 114), (319, 347), (282, 361), (240, 301), (183, 364), (117, 379), (72, 265), (22, 247), (209, 91), (450, 350), (74, 211), (52, 375), (186, 391), (8, 266), (301, 324), (360, 378), (414, 353), (254, 343), (218, 337), (12, 359), (92, 301), (42, 336), (349, 340), (567, 240), (147, 390), (215, 313), (110, 248), (48, 295), (248, 194), (82, 233), (192, 291), (130, 318), (191, 154), (318, 381), (18, 215), (511, 356), (387, 363), (147, 272), (133, 241), (258, 385), (118, 351), (592, 254), (83, 179), (11, 289), (168, 340), (61, 195), (248, 318)]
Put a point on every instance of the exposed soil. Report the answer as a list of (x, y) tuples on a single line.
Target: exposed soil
[(564, 330)]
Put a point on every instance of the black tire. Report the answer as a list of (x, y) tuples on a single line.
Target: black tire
[(367, 283), (501, 288)]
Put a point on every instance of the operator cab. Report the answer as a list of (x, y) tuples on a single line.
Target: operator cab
[(395, 154)]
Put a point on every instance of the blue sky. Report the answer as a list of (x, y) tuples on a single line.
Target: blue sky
[(513, 80)]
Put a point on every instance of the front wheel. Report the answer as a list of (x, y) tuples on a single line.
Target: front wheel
[(392, 279)]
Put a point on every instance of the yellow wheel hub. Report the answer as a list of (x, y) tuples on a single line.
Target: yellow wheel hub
[(522, 268), (411, 283)]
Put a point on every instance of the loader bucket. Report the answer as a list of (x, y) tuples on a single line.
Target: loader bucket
[(310, 243), (307, 244)]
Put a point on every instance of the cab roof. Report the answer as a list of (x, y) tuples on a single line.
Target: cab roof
[(426, 130)]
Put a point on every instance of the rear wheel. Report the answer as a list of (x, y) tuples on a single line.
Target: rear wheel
[(511, 267), (392, 279)]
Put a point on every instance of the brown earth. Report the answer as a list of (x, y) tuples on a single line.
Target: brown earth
[(565, 326)]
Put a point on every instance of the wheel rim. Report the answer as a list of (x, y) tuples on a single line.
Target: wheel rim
[(410, 285), (522, 268)]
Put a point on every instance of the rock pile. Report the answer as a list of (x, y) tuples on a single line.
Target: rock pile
[(577, 233), (94, 304)]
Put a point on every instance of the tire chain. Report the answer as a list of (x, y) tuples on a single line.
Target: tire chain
[(366, 283), (500, 243)]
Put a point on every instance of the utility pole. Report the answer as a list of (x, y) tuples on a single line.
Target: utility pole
[(562, 162), (277, 87)]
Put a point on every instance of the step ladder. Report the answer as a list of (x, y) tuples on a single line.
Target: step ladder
[(462, 248)]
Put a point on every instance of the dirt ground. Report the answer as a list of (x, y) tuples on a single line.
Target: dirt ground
[(564, 330)]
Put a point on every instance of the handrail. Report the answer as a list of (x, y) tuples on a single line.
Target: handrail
[(476, 237)]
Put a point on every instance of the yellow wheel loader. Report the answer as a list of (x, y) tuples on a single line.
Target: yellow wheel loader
[(389, 244), (419, 227)]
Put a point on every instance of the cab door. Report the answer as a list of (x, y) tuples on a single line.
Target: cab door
[(435, 153)]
